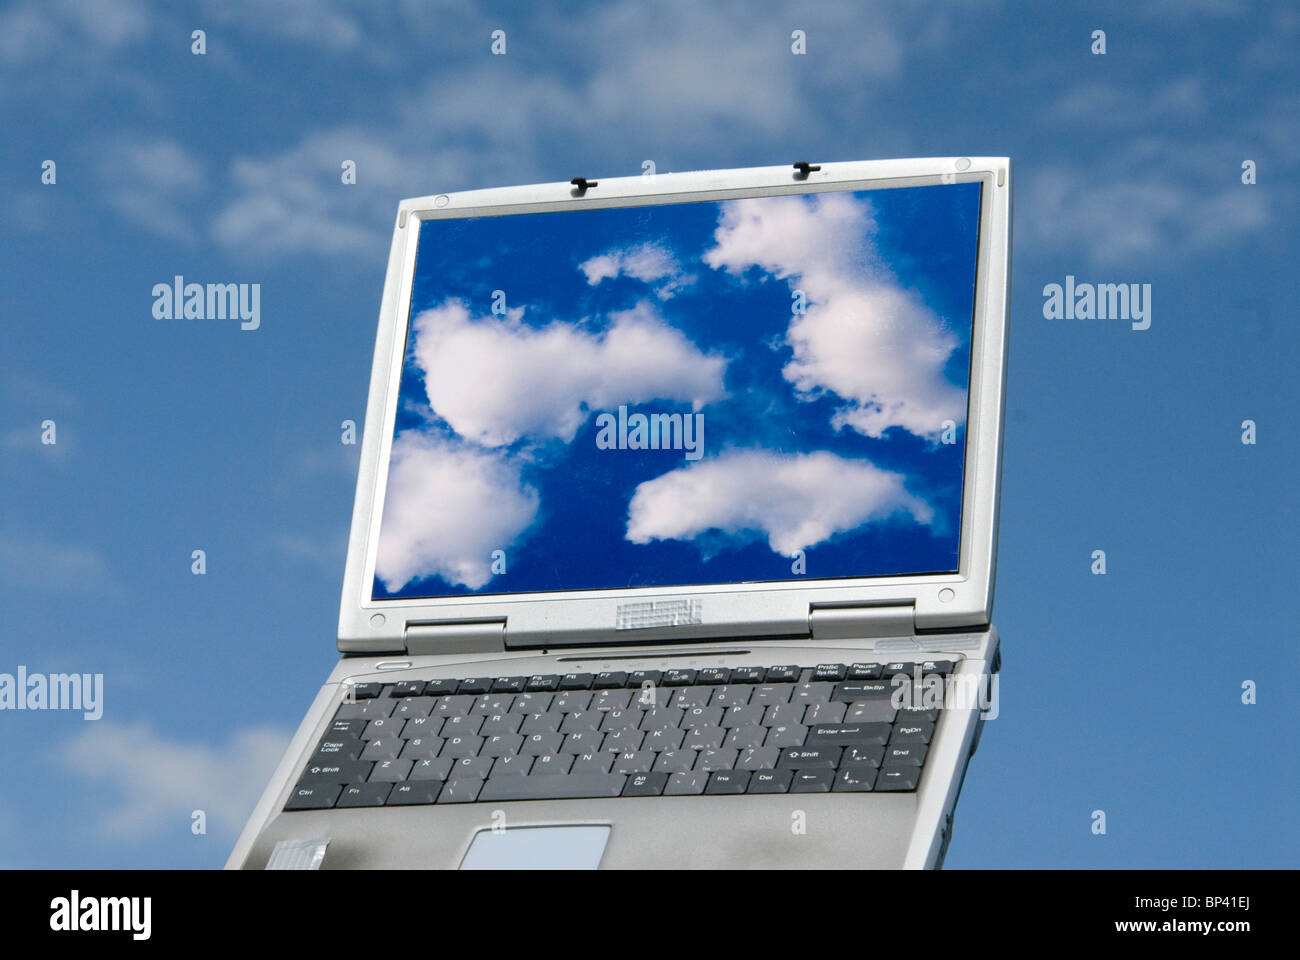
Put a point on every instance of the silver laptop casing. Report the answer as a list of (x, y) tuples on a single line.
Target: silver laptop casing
[(752, 624)]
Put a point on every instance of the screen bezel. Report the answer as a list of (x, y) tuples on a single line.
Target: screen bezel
[(960, 598)]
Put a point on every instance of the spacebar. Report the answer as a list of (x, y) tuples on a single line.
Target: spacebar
[(550, 786)]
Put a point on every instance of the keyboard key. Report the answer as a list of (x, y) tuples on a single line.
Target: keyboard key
[(728, 781), (870, 711), (854, 779), (463, 791), (391, 771), (804, 758), (639, 678), (407, 794), (785, 674), (332, 750), (383, 748), (346, 729), (543, 684), (475, 685), (645, 785), (466, 746), (786, 735), (440, 688), (897, 778), (363, 691), (675, 761), (770, 781), (863, 690), (859, 754), (715, 675), (829, 671), (551, 765), (339, 771), (512, 765), (898, 754), (770, 693), (609, 680), (593, 763), (364, 795), (812, 781), (686, 784), (467, 767), (573, 787), (638, 761), (406, 688), (365, 709), (941, 667), (439, 768), (759, 758), (509, 684), (864, 671), (313, 796), (843, 733), (906, 731), (576, 681), (711, 760), (748, 675), (678, 678)]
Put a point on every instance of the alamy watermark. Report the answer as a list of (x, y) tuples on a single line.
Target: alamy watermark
[(655, 431), (179, 300), (55, 691), (1098, 301)]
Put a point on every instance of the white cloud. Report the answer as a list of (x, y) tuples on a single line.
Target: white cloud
[(494, 380), (647, 262), (1114, 220), (34, 30), (160, 782), (795, 501), (863, 337), (448, 507), (149, 181), (30, 563)]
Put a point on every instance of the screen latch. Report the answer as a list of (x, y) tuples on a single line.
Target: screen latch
[(855, 623)]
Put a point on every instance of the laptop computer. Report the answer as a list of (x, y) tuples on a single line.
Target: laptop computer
[(675, 528)]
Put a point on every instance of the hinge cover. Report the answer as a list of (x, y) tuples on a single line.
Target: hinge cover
[(855, 623), (471, 636)]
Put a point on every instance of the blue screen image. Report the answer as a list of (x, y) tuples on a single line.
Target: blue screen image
[(750, 390)]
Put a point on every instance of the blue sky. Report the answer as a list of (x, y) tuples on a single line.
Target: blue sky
[(1120, 692), (815, 442)]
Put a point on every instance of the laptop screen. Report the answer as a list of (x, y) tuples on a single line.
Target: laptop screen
[(751, 390)]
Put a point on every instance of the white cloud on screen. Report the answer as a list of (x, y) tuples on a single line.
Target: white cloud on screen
[(448, 507), (795, 501), (648, 262), (863, 336), (494, 380)]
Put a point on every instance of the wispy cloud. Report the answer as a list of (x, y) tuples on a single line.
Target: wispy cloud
[(863, 337), (651, 263), (152, 183), (157, 782), (448, 506), (494, 380), (60, 568), (795, 502)]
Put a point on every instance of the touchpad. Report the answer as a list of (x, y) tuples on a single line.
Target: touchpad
[(537, 848)]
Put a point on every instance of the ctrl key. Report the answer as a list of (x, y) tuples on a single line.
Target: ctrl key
[(314, 796)]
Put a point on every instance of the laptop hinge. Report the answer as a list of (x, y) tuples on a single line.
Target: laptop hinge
[(470, 636), (853, 623)]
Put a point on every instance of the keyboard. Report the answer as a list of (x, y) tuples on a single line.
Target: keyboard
[(716, 731)]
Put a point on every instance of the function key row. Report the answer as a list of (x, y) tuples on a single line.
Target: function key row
[(618, 679)]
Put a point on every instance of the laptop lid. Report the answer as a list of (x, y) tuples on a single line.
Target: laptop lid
[(700, 406)]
